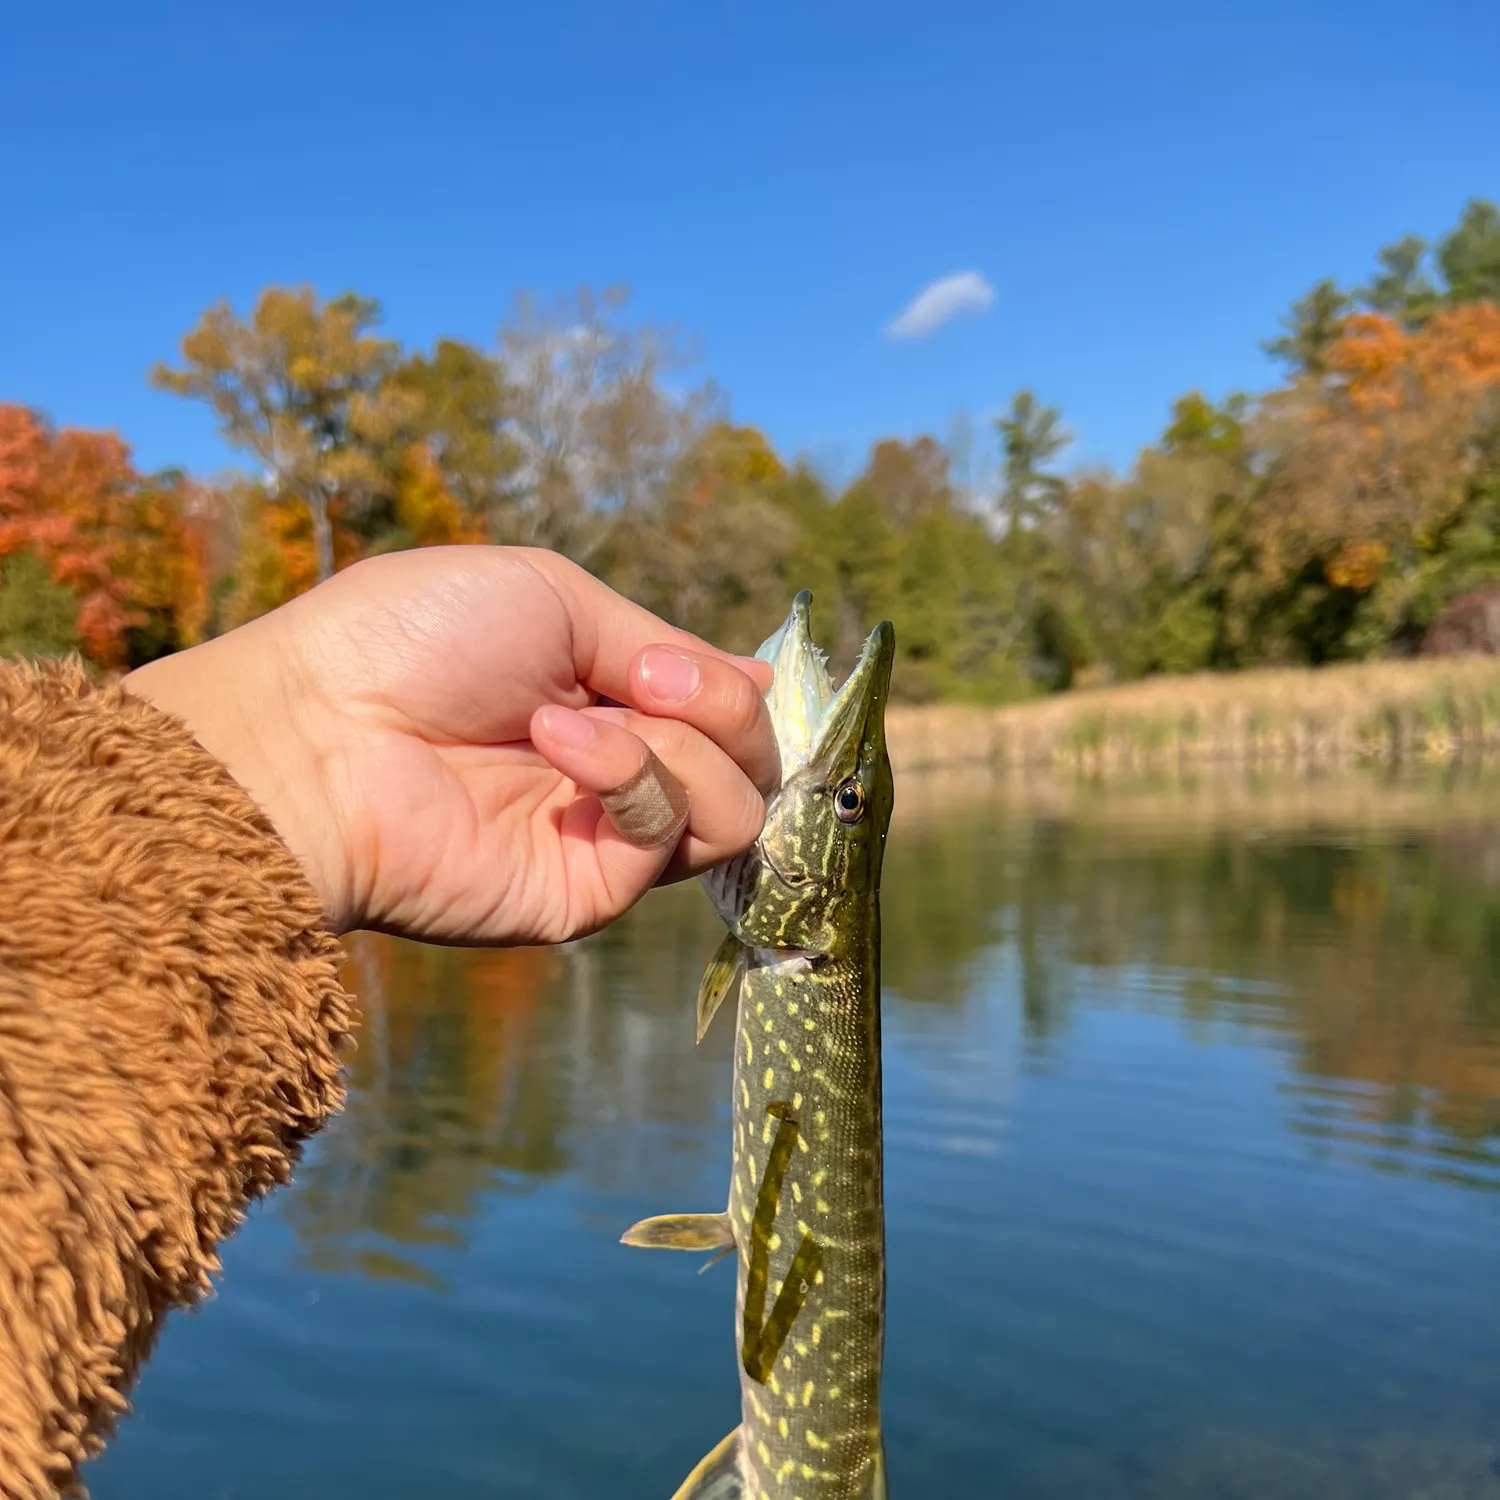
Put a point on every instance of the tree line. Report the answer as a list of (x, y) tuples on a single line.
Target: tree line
[(1330, 517)]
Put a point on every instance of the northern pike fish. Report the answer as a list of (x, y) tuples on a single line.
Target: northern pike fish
[(805, 1216)]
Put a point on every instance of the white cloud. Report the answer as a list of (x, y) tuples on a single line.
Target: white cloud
[(940, 301)]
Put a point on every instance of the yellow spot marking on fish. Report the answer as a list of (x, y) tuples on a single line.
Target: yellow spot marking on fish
[(817, 1334), (786, 1361), (782, 1428), (834, 1392), (745, 1213), (796, 1066), (801, 1349), (836, 1312), (808, 1472), (820, 1177), (808, 1025), (760, 1007), (785, 1470), (821, 1204), (749, 1049), (821, 1118), (782, 1044), (801, 1139), (796, 1193), (796, 1101), (769, 1079), (814, 1441), (803, 1227), (765, 1452), (744, 1087), (775, 1385), (807, 1394), (791, 1398), (808, 1049), (791, 1007), (759, 1410), (774, 1243)]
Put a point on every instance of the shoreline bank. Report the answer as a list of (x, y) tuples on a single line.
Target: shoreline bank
[(1388, 712)]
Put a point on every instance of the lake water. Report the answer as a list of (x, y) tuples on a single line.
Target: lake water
[(1193, 1181)]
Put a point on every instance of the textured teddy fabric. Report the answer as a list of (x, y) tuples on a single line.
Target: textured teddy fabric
[(171, 1027)]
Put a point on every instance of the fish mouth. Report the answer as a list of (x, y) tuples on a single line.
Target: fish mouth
[(852, 728), (800, 689), (812, 722)]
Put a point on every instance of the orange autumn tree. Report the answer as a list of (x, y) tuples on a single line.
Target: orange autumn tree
[(1377, 455), (123, 546), (425, 512), (279, 552)]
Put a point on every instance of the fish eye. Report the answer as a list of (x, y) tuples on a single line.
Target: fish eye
[(849, 801)]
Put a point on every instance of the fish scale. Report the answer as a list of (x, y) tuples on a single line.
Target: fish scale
[(805, 1216)]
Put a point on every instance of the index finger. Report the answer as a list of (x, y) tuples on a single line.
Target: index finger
[(609, 630), (711, 696)]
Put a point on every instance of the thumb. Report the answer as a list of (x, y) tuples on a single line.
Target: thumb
[(649, 809), (640, 809)]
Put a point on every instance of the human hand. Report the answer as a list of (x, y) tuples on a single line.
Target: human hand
[(424, 730)]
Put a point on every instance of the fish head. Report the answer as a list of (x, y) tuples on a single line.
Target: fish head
[(815, 870)]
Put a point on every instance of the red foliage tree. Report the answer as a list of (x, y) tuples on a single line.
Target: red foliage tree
[(123, 545)]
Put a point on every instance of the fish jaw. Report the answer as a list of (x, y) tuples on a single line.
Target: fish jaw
[(800, 689)]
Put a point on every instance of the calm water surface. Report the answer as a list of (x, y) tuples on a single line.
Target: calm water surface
[(1193, 1179)]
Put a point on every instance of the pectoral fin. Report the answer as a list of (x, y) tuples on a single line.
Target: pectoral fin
[(721, 976), (681, 1232), (718, 1477)]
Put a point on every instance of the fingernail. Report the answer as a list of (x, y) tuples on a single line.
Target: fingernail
[(669, 678), (568, 728)]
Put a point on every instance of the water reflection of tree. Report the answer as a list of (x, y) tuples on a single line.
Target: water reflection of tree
[(1377, 958), (442, 1102), (492, 1071)]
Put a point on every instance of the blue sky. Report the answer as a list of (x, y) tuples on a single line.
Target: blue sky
[(1144, 187)]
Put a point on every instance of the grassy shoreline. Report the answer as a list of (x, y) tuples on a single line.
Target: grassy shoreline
[(1433, 711)]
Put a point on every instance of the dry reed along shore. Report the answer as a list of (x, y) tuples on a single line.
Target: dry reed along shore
[(1442, 710)]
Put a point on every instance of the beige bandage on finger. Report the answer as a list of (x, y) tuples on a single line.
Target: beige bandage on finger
[(651, 809)]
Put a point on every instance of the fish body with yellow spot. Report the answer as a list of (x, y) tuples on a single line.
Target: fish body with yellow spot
[(805, 1217)]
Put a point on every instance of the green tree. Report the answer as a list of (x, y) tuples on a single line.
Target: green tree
[(38, 615), (1200, 427), (1309, 327), (1031, 436), (1470, 255), (1401, 288)]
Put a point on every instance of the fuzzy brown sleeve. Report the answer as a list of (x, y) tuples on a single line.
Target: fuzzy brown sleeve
[(171, 1024)]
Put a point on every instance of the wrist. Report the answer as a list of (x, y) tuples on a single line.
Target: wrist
[(237, 698)]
